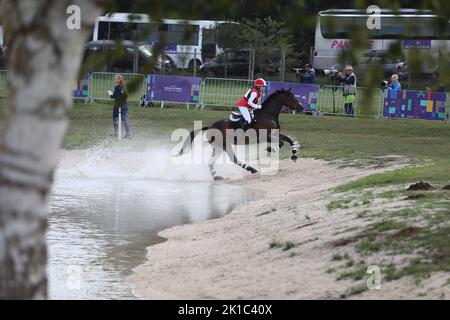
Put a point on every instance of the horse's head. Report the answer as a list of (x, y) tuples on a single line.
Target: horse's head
[(291, 101)]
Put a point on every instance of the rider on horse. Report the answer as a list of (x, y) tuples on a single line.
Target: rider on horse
[(251, 100)]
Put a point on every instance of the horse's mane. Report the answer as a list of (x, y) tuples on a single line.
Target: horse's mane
[(275, 94)]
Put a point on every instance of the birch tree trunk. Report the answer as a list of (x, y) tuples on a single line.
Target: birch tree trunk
[(43, 59)]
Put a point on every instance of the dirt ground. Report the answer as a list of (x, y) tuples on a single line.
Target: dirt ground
[(230, 258)]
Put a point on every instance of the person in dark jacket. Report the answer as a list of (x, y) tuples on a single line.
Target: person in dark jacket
[(307, 75), (120, 105)]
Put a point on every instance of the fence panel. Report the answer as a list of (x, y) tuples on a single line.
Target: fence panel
[(222, 92), (331, 101), (103, 81), (3, 75), (411, 104), (173, 89)]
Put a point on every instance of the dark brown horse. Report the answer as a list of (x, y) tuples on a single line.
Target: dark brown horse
[(266, 120)]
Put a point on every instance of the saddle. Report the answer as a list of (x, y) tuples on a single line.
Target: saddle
[(236, 116), (237, 120)]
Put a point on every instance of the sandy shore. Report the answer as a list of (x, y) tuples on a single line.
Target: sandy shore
[(230, 258)]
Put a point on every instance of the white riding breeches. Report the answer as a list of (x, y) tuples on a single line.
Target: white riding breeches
[(246, 114)]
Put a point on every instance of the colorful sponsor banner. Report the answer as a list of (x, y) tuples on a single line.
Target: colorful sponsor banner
[(415, 104), (80, 88), (418, 44), (173, 89), (306, 94)]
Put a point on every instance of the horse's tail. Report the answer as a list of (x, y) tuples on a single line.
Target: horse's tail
[(188, 142)]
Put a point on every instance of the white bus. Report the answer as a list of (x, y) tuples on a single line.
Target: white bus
[(201, 43), (412, 28)]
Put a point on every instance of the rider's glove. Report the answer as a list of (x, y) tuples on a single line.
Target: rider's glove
[(258, 106)]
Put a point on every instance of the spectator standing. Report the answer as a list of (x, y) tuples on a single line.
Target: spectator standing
[(120, 96), (348, 79)]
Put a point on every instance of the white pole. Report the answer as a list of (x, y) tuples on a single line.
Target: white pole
[(120, 123)]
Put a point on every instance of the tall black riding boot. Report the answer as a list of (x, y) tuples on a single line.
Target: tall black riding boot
[(246, 126)]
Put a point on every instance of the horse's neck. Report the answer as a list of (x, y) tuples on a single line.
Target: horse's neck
[(273, 108)]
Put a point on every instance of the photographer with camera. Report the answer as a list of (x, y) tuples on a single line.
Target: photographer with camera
[(306, 75), (348, 79)]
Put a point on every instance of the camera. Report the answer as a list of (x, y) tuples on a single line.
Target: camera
[(301, 69), (384, 83), (331, 72)]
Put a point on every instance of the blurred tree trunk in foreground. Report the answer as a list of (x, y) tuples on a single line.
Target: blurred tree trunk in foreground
[(43, 59)]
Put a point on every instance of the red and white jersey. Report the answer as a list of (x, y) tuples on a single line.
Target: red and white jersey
[(250, 99)]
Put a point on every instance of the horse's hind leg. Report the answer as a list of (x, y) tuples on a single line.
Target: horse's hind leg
[(232, 156), (214, 155)]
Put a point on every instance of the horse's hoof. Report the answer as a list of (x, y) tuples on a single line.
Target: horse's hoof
[(218, 178), (252, 170), (294, 158)]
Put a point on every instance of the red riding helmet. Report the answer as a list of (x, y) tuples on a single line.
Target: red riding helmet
[(260, 82)]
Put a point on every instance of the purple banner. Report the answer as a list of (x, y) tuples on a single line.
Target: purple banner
[(419, 44), (306, 94), (173, 89), (80, 88), (415, 104)]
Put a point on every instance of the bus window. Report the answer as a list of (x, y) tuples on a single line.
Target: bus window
[(103, 30), (391, 28), (421, 27), (123, 30), (155, 32), (182, 34), (336, 27), (406, 27)]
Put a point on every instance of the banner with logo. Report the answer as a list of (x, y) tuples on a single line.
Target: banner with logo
[(173, 89), (306, 94), (415, 104)]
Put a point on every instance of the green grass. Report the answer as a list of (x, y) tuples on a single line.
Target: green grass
[(357, 274), (357, 290), (339, 204), (439, 173), (336, 257), (428, 245), (284, 245)]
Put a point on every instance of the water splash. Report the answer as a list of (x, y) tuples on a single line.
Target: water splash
[(129, 160)]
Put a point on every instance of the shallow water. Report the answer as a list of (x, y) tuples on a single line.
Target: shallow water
[(99, 228)]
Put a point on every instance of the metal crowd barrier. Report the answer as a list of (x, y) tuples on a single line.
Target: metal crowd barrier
[(331, 101), (101, 82), (222, 92)]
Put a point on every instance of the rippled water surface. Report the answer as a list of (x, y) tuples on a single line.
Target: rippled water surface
[(99, 228)]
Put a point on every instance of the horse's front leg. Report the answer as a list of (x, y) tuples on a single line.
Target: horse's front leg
[(294, 146), (232, 156)]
